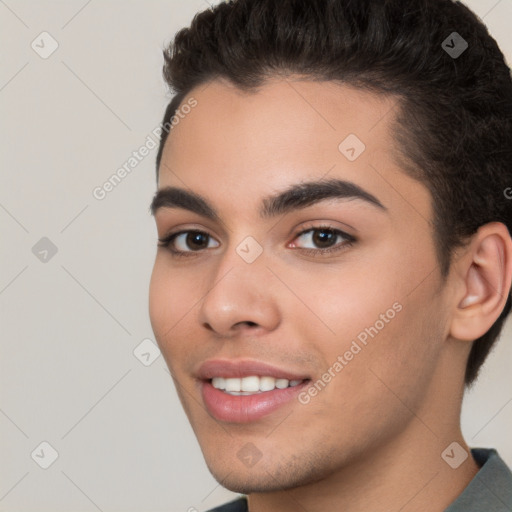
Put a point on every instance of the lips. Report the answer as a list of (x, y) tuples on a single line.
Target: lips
[(244, 391)]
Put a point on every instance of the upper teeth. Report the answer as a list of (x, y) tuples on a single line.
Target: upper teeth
[(252, 384)]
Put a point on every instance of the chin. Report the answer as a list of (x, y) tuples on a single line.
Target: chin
[(269, 476), (251, 482)]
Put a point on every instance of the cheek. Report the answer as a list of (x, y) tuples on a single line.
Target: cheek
[(341, 302), (379, 316), (368, 292), (172, 295)]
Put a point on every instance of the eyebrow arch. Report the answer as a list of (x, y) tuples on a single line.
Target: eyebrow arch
[(293, 198)]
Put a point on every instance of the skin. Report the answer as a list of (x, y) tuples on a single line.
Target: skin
[(374, 435)]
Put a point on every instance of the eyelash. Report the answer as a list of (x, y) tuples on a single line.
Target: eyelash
[(349, 240)]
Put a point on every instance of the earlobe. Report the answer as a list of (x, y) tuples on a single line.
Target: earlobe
[(486, 271)]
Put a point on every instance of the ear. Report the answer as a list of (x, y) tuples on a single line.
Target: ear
[(484, 275)]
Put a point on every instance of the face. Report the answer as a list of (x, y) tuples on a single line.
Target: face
[(299, 274)]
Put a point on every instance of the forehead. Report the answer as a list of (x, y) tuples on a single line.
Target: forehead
[(281, 112), (237, 146)]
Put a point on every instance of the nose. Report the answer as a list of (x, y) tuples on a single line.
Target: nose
[(239, 298)]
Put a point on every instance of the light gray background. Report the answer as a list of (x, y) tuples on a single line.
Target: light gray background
[(70, 325)]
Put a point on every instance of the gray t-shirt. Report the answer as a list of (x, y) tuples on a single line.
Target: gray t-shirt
[(489, 491), (491, 488)]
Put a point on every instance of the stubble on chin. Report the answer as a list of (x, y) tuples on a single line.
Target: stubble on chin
[(271, 475)]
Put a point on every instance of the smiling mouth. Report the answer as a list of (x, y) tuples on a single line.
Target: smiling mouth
[(252, 384)]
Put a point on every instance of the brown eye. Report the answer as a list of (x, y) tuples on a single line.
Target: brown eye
[(196, 240), (324, 237), (188, 242), (322, 241)]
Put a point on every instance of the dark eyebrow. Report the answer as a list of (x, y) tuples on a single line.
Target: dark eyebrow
[(174, 197), (309, 193), (294, 198)]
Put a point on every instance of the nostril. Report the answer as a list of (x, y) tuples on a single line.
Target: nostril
[(246, 323)]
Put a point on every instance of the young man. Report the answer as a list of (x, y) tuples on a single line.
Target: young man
[(335, 258)]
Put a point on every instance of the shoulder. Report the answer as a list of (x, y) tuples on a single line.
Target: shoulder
[(491, 488)]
